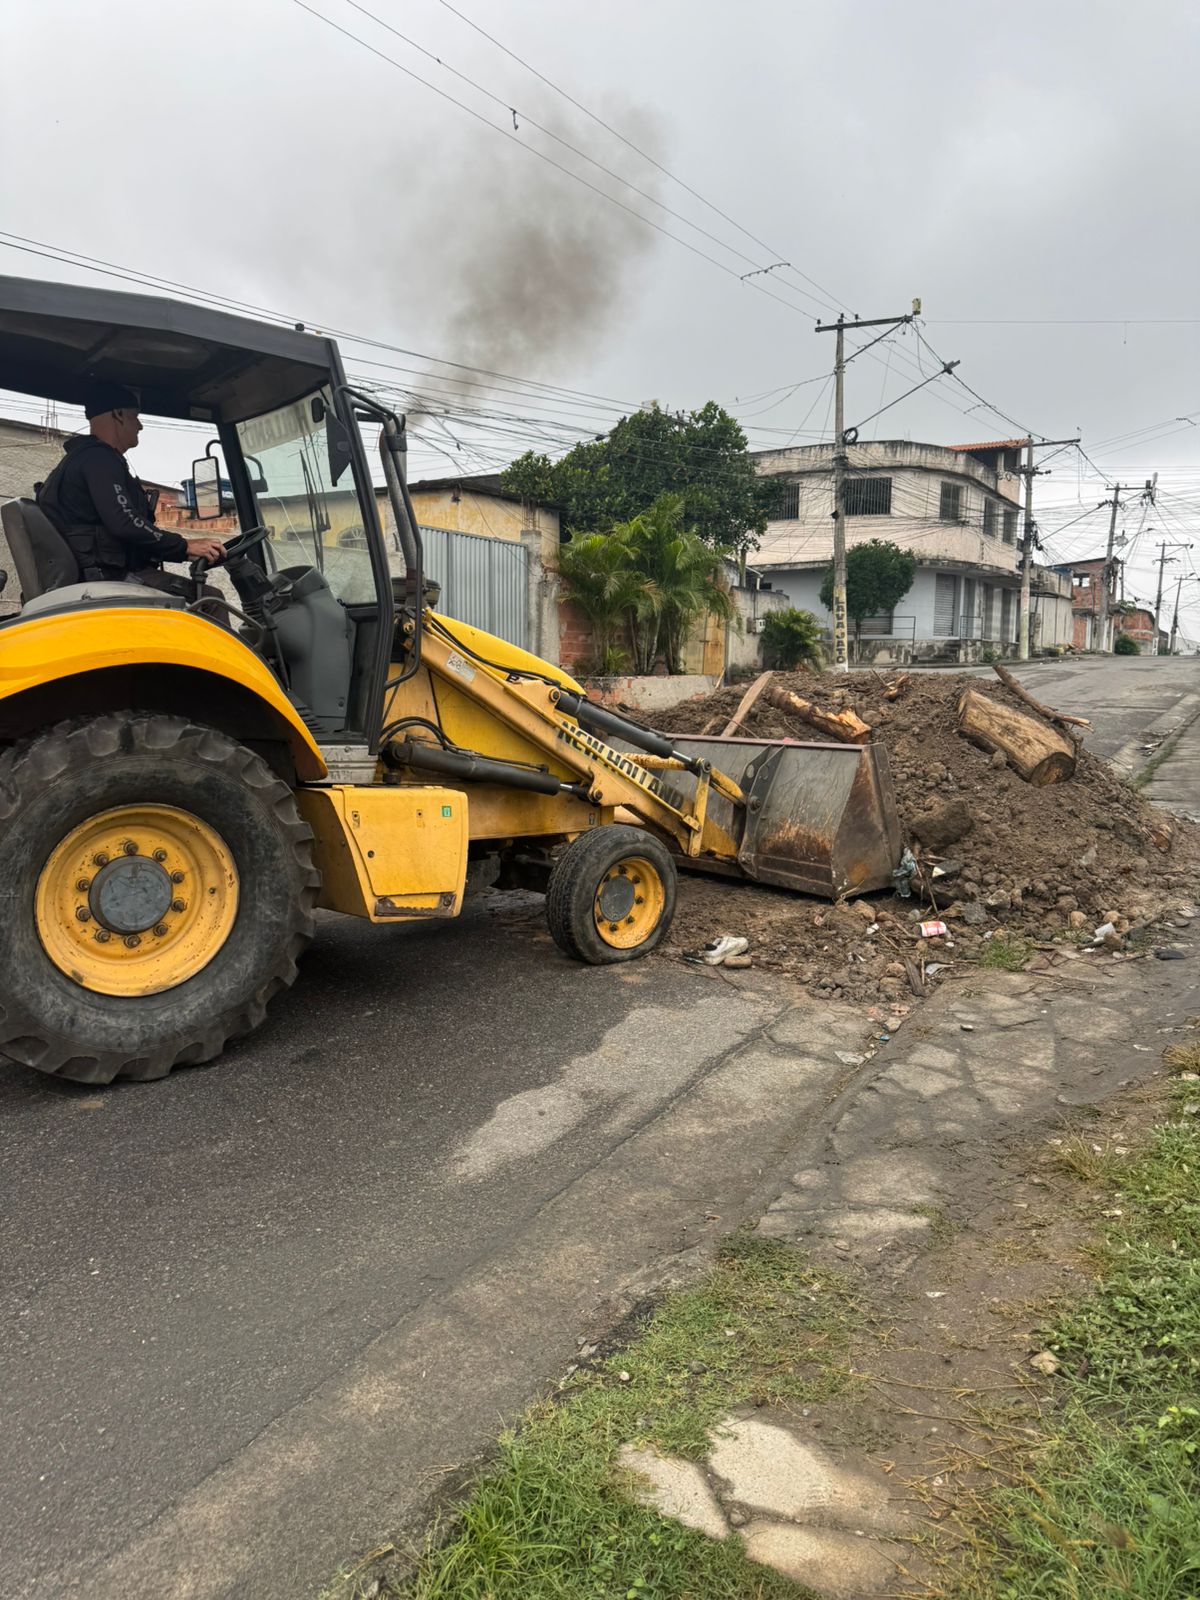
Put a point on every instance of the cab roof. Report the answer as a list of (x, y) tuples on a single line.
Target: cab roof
[(58, 339)]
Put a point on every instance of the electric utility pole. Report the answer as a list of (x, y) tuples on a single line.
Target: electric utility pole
[(1029, 472), (1164, 546), (1175, 618), (840, 462), (1102, 629)]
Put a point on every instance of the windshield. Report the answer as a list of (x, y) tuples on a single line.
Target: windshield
[(313, 523)]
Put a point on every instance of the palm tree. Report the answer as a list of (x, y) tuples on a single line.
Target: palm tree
[(596, 572), (678, 581)]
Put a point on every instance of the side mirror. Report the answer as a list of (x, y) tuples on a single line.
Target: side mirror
[(206, 487)]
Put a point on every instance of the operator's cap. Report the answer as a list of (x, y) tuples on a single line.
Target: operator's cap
[(110, 397)]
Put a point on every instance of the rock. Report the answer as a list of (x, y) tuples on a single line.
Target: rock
[(974, 914), (865, 909), (738, 962), (697, 1367), (1067, 903), (1114, 940), (738, 1519), (1000, 901), (1045, 1362), (998, 759), (944, 826), (895, 969), (1169, 954), (1076, 919)]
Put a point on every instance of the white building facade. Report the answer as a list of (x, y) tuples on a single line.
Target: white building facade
[(957, 508)]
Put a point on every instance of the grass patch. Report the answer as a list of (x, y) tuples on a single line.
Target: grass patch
[(1007, 952), (1107, 1505), (1163, 753), (552, 1517)]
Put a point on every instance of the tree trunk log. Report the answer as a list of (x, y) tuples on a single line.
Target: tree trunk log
[(1039, 754), (841, 725), (746, 702)]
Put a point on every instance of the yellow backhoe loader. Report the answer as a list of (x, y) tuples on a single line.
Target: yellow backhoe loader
[(184, 781)]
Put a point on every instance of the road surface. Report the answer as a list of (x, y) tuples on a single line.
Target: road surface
[(252, 1313)]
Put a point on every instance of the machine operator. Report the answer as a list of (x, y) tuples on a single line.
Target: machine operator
[(104, 513)]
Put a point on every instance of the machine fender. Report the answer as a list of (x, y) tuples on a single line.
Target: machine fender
[(50, 650)]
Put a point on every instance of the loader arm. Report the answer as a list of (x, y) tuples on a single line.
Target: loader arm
[(550, 721)]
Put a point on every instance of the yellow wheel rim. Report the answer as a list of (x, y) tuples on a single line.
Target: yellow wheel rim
[(629, 903), (136, 900)]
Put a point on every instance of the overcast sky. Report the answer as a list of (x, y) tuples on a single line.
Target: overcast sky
[(1028, 170)]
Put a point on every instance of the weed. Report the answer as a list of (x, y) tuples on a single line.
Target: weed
[(1006, 951), (1182, 1057), (553, 1515), (941, 1227), (1092, 1162)]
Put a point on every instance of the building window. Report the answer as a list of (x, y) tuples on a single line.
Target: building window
[(867, 497), (787, 502), (951, 503), (989, 518), (1010, 527), (352, 539)]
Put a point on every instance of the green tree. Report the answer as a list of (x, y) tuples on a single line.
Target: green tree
[(878, 576), (677, 580), (700, 456), (791, 638)]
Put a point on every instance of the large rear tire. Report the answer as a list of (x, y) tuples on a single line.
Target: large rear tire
[(611, 895), (157, 890)]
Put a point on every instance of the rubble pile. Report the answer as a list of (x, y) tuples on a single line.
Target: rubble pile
[(1044, 865)]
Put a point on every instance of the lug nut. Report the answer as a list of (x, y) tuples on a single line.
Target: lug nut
[(83, 884), (130, 847), (177, 877), (178, 905), (100, 859), (82, 914), (160, 855), (160, 930), (132, 941), (102, 936)]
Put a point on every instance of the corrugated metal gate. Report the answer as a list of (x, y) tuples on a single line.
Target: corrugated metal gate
[(484, 581)]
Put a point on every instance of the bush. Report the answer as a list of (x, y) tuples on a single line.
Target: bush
[(1126, 645), (791, 638)]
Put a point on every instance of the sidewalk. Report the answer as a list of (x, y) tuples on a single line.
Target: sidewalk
[(917, 1183), (1175, 781)]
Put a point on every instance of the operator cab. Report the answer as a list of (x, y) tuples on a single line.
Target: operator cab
[(311, 588)]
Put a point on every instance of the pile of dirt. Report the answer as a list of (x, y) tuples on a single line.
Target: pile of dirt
[(1041, 864)]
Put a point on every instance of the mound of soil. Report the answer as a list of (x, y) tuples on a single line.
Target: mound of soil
[(1043, 864)]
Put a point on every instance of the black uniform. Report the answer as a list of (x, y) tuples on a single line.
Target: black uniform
[(104, 514)]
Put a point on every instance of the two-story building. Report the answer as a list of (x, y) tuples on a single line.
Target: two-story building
[(957, 508)]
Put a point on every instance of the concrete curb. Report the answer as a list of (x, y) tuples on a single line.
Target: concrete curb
[(1131, 759)]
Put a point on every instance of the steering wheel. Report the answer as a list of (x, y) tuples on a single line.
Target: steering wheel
[(239, 546)]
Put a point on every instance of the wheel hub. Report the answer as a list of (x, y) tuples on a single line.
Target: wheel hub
[(136, 900), (616, 898), (130, 895)]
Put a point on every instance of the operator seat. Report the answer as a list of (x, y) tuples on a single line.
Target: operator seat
[(49, 572)]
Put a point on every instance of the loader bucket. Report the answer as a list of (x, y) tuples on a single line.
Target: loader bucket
[(820, 818)]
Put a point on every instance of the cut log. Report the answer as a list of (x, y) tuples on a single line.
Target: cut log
[(897, 687), (1039, 754), (744, 704), (1059, 717), (841, 725)]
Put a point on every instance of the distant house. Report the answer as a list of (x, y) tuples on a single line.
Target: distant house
[(956, 507), (1087, 577)]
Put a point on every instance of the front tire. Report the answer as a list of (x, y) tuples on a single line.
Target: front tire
[(611, 895), (157, 890)]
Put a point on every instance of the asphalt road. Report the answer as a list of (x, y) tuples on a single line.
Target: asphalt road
[(252, 1313)]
